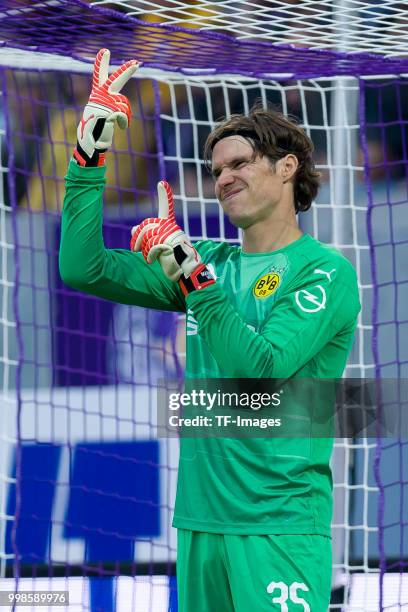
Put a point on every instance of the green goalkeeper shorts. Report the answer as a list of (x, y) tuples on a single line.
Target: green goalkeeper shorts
[(254, 573)]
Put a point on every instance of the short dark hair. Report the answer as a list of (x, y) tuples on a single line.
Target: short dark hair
[(274, 135)]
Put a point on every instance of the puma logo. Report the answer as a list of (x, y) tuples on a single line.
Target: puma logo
[(328, 274)]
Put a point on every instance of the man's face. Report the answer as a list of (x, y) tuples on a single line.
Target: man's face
[(247, 186)]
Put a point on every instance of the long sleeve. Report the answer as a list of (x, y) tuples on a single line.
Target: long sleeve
[(85, 264)]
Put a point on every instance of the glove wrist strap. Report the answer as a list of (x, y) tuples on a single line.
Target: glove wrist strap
[(199, 278), (82, 159)]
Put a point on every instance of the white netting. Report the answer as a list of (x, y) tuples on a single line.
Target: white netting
[(184, 110), (189, 109), (8, 350), (349, 25)]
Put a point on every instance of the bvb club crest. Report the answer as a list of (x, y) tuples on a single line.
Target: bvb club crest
[(266, 285)]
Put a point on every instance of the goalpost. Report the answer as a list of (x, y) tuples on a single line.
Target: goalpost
[(79, 454)]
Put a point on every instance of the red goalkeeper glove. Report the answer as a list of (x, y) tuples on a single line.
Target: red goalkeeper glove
[(161, 237), (106, 105)]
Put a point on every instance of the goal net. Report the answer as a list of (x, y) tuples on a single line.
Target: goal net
[(86, 487)]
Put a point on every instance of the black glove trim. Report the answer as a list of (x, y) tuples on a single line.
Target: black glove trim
[(82, 159)]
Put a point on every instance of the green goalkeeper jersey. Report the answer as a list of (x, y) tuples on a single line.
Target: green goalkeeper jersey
[(288, 313)]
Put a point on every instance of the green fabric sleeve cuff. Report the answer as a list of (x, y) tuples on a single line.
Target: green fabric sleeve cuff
[(80, 172)]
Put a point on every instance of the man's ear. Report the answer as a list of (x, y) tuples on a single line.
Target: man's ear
[(288, 166)]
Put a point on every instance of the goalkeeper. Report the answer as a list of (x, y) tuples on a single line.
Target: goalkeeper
[(253, 515)]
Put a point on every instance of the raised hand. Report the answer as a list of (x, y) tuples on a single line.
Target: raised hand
[(105, 107), (161, 237)]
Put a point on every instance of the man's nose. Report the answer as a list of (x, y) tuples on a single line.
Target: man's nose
[(225, 177)]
